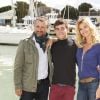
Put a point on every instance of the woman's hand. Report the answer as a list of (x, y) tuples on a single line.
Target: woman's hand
[(98, 93)]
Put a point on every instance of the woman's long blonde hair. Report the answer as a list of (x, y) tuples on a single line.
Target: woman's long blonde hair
[(80, 40)]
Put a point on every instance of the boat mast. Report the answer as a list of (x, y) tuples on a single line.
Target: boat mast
[(65, 11), (32, 11), (13, 21), (68, 13)]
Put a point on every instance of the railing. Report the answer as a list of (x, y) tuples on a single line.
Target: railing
[(89, 13)]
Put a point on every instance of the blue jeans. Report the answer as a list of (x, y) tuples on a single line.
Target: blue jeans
[(40, 94), (87, 91)]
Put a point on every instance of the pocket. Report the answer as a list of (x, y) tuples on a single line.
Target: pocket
[(28, 59), (94, 85)]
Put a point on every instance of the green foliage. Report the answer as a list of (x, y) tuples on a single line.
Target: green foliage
[(39, 4), (73, 12), (84, 7), (21, 10), (6, 8)]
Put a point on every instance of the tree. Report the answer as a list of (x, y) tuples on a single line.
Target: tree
[(21, 10), (42, 9), (6, 8), (84, 7), (39, 4), (73, 12)]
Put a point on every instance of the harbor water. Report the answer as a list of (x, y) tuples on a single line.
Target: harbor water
[(7, 55)]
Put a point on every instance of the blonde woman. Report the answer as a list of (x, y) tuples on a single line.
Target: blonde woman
[(88, 59)]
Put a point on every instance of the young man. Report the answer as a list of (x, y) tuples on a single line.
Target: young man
[(31, 65), (63, 57)]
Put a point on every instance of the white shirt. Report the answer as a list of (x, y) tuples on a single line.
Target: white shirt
[(43, 62)]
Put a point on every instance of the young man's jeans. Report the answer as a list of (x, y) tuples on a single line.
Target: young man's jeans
[(87, 91)]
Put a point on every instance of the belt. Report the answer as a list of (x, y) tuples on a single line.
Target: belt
[(42, 80), (87, 80), (61, 84)]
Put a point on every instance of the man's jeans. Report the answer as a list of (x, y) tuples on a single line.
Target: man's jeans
[(41, 94), (87, 91)]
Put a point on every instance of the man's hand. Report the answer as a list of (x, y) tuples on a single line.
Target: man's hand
[(18, 92), (50, 42)]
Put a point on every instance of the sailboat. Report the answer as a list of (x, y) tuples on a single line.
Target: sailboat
[(13, 35), (52, 17)]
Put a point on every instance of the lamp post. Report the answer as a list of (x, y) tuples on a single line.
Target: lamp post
[(64, 12), (68, 13), (13, 21)]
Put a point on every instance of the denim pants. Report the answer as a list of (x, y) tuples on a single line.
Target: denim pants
[(41, 94), (87, 91)]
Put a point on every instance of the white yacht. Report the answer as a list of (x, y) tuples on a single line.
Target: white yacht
[(13, 35), (52, 17)]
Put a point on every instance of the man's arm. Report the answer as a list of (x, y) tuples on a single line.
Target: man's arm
[(18, 68)]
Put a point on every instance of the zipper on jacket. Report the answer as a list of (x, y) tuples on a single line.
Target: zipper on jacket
[(82, 61)]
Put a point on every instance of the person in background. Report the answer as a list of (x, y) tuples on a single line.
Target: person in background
[(31, 76), (88, 60), (63, 53)]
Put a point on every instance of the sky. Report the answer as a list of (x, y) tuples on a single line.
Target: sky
[(54, 3)]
